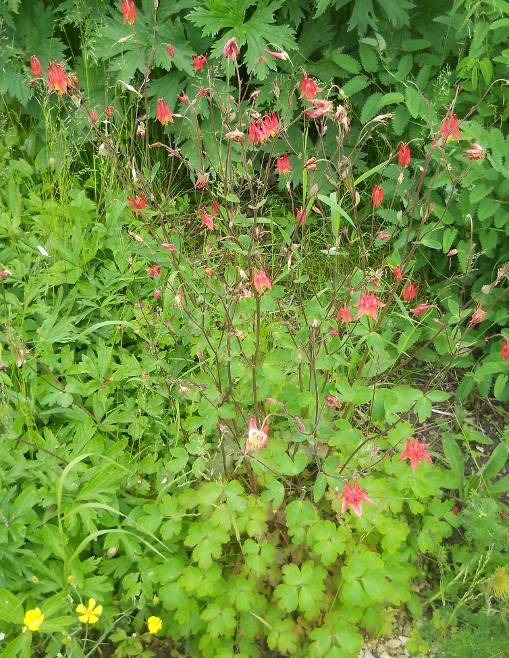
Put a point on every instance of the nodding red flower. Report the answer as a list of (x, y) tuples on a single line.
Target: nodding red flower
[(231, 49), (384, 235), (415, 452), (504, 350), (271, 124), (58, 79), (163, 112), (300, 213), (344, 314), (128, 11), (283, 164), (377, 195), (257, 133), (418, 310), (155, 270), (309, 87), (216, 208), (5, 273), (202, 92), (199, 62), (397, 273), (137, 204), (478, 316), (282, 55), (170, 50), (168, 245), (261, 281), (256, 439), (202, 180), (109, 111), (368, 305), (321, 107), (404, 155), (353, 496), (94, 115), (35, 66), (183, 98), (410, 291), (450, 129), (254, 95), (208, 219)]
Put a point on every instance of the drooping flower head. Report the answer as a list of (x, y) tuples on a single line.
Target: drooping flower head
[(184, 98), (261, 281), (415, 452), (231, 49), (170, 50), (321, 107), (344, 314), (475, 152), (309, 87), (410, 291), (283, 164), (257, 132), (137, 204), (282, 55), (154, 270), (404, 154), (384, 235), (419, 310), (504, 350), (207, 219), (154, 624), (301, 215), (478, 316), (368, 305), (91, 613), (94, 116), (450, 128), (377, 196), (352, 497), (35, 66), (128, 11), (257, 439), (33, 619), (57, 77), (397, 273), (199, 62), (271, 124), (202, 180), (164, 114)]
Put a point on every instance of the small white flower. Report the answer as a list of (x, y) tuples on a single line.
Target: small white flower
[(2, 636), (42, 250)]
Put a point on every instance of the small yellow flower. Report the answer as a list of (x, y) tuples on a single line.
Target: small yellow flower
[(154, 625), (91, 614), (33, 619)]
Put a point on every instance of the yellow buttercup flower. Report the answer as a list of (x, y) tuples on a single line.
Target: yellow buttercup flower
[(91, 614), (33, 619), (154, 625)]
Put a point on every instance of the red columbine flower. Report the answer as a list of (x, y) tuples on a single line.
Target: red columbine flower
[(415, 452), (321, 107), (208, 220), (168, 245), (271, 124), (202, 180), (257, 133), (109, 111), (344, 314), (261, 281), (384, 235), (377, 195), (183, 98), (283, 164), (410, 291), (397, 273), (35, 66), (282, 55), (368, 305), (309, 87), (256, 439), (199, 62), (353, 496), (170, 50), (300, 213), (58, 79), (450, 129), (94, 115), (231, 49), (137, 204), (155, 270), (163, 112), (404, 155), (504, 351), (419, 310), (128, 11), (478, 316)]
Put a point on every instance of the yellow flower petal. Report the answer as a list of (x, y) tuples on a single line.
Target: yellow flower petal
[(98, 610), (91, 604), (83, 619), (81, 609)]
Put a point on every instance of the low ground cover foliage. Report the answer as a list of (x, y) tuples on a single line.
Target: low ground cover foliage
[(208, 325)]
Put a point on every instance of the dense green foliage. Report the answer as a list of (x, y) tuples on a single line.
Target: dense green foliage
[(188, 401)]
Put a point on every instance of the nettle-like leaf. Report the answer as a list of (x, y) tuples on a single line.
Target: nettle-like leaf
[(258, 32)]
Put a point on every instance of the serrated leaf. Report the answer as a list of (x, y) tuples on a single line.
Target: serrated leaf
[(369, 58), (400, 120), (355, 85), (346, 62), (414, 101), (392, 97), (415, 44), (500, 386), (371, 107)]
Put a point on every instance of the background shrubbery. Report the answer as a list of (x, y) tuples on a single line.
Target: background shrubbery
[(143, 360)]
